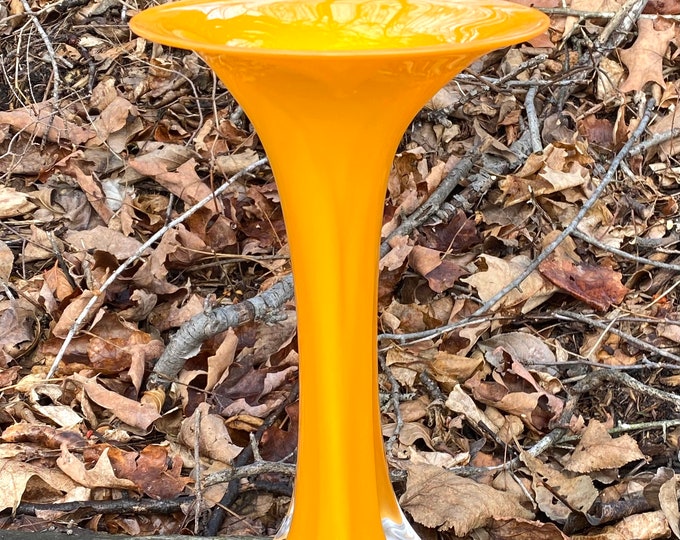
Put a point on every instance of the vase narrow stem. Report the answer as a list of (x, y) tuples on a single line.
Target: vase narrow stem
[(333, 198)]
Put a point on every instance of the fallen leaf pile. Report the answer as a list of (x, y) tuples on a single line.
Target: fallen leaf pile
[(551, 413)]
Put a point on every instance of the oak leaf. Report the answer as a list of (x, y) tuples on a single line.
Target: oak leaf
[(644, 59)]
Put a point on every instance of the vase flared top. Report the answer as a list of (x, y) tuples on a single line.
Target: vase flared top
[(339, 27)]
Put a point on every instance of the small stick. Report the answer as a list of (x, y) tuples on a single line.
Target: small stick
[(624, 254), (560, 314), (532, 119), (595, 379), (594, 197), (56, 82), (152, 239), (394, 394)]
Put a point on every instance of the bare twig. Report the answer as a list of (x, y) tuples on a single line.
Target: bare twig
[(609, 328), (595, 379), (152, 239), (655, 140), (594, 197), (532, 119), (399, 421), (624, 254), (435, 200), (56, 78)]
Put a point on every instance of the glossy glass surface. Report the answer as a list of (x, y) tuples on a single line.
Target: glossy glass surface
[(330, 87), (338, 26)]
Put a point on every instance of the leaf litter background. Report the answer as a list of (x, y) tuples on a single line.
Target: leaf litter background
[(552, 414)]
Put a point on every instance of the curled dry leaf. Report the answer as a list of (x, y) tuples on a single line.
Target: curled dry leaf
[(101, 475), (597, 286), (13, 203), (43, 435), (133, 413), (437, 498), (597, 450), (212, 439), (24, 481), (496, 273)]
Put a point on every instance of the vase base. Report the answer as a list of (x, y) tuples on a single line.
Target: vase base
[(392, 530)]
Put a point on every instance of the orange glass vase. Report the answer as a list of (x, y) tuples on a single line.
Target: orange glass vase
[(330, 87)]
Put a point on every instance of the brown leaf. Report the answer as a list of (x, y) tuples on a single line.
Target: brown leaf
[(43, 435), (522, 529), (456, 236), (646, 526), (576, 490), (127, 410), (438, 498), (278, 443), (183, 182), (497, 273), (598, 131), (103, 238), (517, 189), (441, 274), (214, 440), (73, 311), (20, 481), (101, 475), (644, 59), (6, 261), (149, 471), (230, 164), (37, 118), (13, 203), (597, 286), (17, 324), (663, 7), (597, 450)]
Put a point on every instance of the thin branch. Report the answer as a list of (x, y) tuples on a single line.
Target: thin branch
[(152, 239), (594, 197), (624, 254), (56, 77), (595, 379), (532, 119), (567, 315)]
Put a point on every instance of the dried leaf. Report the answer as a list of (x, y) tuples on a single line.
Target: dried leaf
[(597, 450), (440, 273), (497, 273), (37, 118), (597, 286), (6, 261), (213, 437), (13, 203), (21, 481), (101, 475), (644, 59), (127, 410), (438, 498)]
